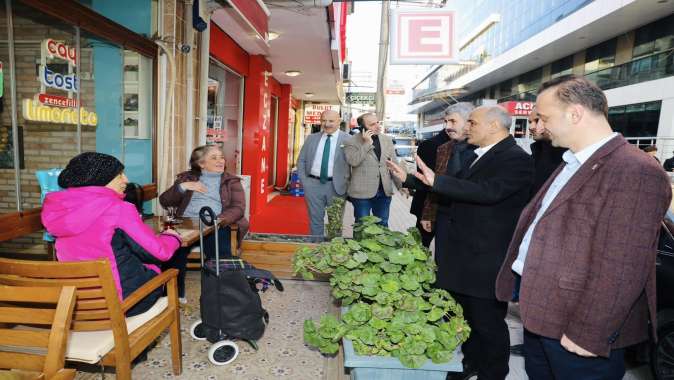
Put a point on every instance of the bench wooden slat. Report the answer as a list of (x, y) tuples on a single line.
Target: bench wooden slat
[(26, 315), (24, 338)]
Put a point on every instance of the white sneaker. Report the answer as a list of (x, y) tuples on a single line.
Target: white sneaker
[(182, 300)]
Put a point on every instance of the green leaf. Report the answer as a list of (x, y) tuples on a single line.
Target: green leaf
[(435, 314), (382, 311), (361, 312), (390, 286), (353, 245), (409, 282), (387, 240), (400, 256), (377, 323), (374, 257), (390, 268), (360, 257), (413, 361), (373, 230), (371, 245)]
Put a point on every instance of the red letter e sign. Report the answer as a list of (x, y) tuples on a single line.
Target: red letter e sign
[(422, 37)]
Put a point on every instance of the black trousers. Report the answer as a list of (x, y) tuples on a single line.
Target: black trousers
[(426, 237), (546, 359), (488, 347), (179, 258)]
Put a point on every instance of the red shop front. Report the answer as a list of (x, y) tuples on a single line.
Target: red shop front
[(263, 142)]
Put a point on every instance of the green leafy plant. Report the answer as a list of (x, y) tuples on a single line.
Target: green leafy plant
[(385, 279), (335, 213)]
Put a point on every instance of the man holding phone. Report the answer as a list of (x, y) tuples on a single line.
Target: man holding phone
[(371, 185)]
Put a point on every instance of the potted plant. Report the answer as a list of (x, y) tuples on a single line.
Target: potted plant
[(383, 280)]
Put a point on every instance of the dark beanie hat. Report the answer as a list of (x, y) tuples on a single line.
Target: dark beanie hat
[(90, 169)]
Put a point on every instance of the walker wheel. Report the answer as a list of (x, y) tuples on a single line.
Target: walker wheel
[(197, 330), (223, 352)]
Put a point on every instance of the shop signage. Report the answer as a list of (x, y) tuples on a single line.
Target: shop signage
[(34, 111), (395, 91), (360, 97), (53, 48), (65, 82), (423, 36), (57, 101), (518, 108), (312, 112)]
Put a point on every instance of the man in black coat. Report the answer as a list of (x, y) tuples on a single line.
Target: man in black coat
[(487, 197), (546, 157), (427, 151), (455, 119)]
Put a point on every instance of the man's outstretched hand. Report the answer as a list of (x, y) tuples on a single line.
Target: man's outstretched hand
[(427, 176), (396, 170)]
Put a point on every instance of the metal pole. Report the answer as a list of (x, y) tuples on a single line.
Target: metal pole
[(12, 86), (380, 98)]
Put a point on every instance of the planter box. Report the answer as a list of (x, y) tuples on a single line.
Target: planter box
[(274, 252), (390, 368)]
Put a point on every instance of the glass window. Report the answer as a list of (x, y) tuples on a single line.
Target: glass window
[(600, 56), (636, 120), (654, 37), (224, 110), (505, 88), (530, 81), (561, 67)]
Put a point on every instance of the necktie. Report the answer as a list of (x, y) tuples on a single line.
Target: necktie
[(326, 160)]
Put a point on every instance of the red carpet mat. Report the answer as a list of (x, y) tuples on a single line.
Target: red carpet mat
[(285, 214)]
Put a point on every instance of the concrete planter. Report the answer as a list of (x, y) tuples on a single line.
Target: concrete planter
[(390, 368)]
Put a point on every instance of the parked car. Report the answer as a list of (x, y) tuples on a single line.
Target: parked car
[(662, 353)]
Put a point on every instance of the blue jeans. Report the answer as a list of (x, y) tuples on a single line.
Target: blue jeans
[(379, 205)]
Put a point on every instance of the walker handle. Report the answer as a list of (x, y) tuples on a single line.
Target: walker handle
[(207, 215)]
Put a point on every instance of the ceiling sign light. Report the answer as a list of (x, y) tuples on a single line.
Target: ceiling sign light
[(272, 35), (309, 94), (293, 73)]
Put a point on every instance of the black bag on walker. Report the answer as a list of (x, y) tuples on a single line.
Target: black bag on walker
[(231, 307), (229, 304)]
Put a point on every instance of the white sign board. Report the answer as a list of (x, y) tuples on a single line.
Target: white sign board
[(312, 112)]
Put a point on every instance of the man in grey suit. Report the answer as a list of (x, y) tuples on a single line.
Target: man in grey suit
[(322, 169), (371, 185)]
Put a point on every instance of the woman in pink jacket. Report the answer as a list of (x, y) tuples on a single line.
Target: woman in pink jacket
[(91, 221)]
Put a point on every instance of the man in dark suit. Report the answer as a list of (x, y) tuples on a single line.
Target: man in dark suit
[(479, 207), (427, 151), (455, 119), (546, 156), (585, 245)]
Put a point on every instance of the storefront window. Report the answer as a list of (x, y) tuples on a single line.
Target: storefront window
[(530, 81), (654, 37), (561, 67), (636, 120), (72, 95), (47, 88), (600, 56), (224, 110)]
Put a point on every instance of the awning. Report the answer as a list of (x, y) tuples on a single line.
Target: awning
[(426, 106)]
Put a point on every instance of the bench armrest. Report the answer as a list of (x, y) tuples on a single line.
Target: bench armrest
[(148, 287)]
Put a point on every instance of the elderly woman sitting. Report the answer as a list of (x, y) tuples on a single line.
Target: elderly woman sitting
[(90, 221), (207, 184)]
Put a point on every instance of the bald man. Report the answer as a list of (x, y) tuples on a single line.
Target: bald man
[(323, 170), (478, 210)]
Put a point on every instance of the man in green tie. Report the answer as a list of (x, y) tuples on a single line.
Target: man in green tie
[(322, 169)]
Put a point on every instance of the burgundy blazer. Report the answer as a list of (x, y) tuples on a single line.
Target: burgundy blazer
[(590, 269)]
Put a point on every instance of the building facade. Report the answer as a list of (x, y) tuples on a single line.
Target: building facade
[(626, 47)]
